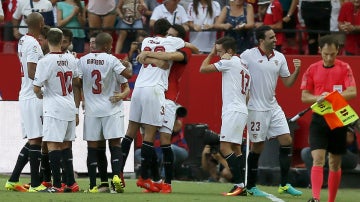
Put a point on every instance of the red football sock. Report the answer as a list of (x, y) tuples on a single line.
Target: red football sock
[(333, 184), (317, 174)]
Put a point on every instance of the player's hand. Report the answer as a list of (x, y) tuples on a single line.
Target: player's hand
[(125, 63), (213, 51), (141, 57), (297, 63), (116, 97), (226, 56)]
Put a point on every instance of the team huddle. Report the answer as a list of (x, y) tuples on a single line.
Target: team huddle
[(54, 85)]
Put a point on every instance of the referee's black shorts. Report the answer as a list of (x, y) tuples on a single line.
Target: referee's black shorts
[(321, 137)]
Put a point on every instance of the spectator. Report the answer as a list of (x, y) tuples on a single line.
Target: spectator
[(349, 22), (1, 14), (289, 20), (316, 16), (24, 8), (202, 16), (349, 160), (130, 14), (150, 4), (9, 7), (271, 15), (101, 15), (215, 165), (134, 51), (71, 14), (315, 86), (173, 12), (237, 20)]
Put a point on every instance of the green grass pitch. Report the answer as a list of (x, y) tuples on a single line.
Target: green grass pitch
[(183, 191)]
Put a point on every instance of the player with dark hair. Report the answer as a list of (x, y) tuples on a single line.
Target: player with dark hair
[(61, 97), (320, 79), (29, 52), (148, 99), (180, 58), (104, 119), (235, 88), (67, 40), (266, 119)]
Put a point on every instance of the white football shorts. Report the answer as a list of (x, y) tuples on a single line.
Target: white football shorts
[(264, 125), (169, 117), (232, 127), (104, 128), (56, 130), (31, 111), (148, 105)]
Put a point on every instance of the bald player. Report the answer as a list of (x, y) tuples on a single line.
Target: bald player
[(104, 115), (29, 52)]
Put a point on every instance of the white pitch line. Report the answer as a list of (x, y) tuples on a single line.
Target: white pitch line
[(274, 198)]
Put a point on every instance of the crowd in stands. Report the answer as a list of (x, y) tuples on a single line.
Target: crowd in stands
[(301, 21)]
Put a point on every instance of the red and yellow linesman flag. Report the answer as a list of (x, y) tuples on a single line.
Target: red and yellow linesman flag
[(336, 111)]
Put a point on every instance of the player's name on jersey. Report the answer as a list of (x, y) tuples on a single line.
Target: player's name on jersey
[(62, 63), (94, 61)]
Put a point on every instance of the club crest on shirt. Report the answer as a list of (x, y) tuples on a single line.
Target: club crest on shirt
[(260, 61), (254, 136), (35, 50), (276, 62), (220, 63)]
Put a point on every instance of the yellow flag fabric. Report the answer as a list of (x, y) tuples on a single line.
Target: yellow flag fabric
[(336, 111)]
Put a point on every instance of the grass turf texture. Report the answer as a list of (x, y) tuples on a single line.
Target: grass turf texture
[(183, 191)]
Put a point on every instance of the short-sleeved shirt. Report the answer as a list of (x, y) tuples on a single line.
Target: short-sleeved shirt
[(55, 72), (29, 50), (235, 84), (100, 74), (203, 40), (175, 76), (347, 14), (101, 7), (179, 16), (66, 10), (149, 74), (24, 9), (274, 14), (318, 79), (264, 73)]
